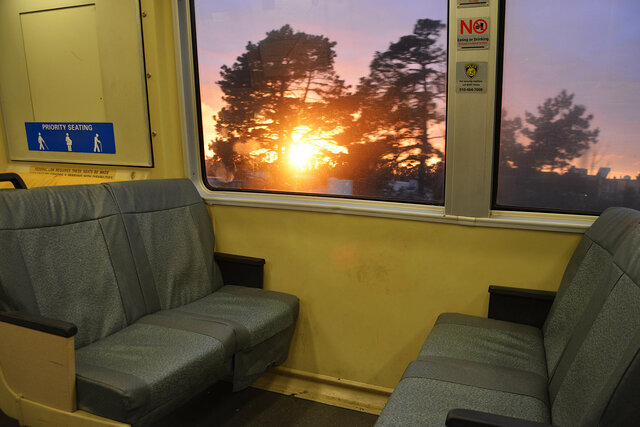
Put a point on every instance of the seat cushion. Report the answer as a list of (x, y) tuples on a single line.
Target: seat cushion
[(426, 402), (144, 370), (255, 314), (488, 341), (473, 363)]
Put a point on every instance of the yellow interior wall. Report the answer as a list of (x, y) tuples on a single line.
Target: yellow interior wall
[(163, 113), (370, 288)]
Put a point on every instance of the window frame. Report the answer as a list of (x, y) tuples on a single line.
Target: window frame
[(469, 181)]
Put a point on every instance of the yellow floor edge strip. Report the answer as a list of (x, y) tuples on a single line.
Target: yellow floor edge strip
[(325, 389)]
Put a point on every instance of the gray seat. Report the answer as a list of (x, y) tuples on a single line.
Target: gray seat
[(131, 265), (493, 342), (144, 371), (262, 321), (582, 368)]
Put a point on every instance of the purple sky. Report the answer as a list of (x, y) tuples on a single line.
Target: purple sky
[(592, 49), (589, 47)]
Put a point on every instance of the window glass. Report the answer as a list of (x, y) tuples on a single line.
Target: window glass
[(321, 96), (569, 128)]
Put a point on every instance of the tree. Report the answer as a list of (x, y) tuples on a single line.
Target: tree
[(281, 90), (399, 101), (559, 133), (511, 151)]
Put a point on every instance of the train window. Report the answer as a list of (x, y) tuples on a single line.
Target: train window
[(322, 97), (569, 126)]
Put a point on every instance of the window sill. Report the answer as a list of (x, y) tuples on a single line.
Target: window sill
[(396, 210)]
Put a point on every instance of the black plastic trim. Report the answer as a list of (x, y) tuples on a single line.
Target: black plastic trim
[(15, 179), (497, 123), (39, 323), (470, 418), (523, 306), (241, 270), (523, 293)]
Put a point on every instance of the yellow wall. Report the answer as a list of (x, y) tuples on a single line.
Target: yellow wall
[(163, 112), (370, 288)]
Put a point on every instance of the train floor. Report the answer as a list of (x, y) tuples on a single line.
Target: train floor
[(219, 407)]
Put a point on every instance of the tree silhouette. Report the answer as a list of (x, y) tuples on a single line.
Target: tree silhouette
[(511, 151), (399, 101), (559, 133), (282, 87)]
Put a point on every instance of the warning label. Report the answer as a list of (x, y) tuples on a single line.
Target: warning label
[(77, 172), (471, 77), (472, 3), (473, 33)]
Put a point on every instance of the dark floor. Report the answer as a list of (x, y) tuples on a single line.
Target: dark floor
[(218, 406)]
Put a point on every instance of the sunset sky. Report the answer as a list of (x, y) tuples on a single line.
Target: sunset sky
[(592, 49), (360, 28), (589, 47)]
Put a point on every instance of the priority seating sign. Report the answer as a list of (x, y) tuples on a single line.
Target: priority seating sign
[(473, 33)]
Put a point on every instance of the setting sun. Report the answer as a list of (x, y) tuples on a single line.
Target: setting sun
[(301, 154)]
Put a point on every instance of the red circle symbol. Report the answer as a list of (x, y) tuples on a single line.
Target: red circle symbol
[(480, 26)]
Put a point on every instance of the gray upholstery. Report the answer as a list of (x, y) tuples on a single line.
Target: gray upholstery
[(489, 341), (262, 321), (590, 269), (423, 402), (131, 265), (182, 252), (581, 369), (608, 347), (478, 374), (255, 314), (57, 246), (143, 368)]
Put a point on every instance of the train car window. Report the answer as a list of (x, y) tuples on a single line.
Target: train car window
[(568, 134), (322, 97)]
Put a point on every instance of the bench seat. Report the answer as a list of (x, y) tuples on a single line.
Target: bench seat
[(131, 264), (581, 368)]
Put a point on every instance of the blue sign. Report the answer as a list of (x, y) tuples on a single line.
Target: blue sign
[(71, 137)]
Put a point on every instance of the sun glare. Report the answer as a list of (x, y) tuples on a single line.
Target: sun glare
[(300, 155)]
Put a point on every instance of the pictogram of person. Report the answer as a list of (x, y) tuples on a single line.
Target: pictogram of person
[(69, 142), (43, 145), (97, 145)]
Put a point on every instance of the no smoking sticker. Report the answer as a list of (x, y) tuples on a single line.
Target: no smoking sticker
[(473, 33)]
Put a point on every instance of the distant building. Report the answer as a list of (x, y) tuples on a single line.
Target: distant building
[(603, 172), (340, 186), (579, 171)]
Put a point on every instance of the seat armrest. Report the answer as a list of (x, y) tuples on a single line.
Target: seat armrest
[(37, 359), (240, 270), (524, 306), (14, 179), (39, 323), (470, 418)]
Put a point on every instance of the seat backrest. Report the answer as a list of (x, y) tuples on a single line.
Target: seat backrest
[(171, 239), (597, 381), (588, 278), (65, 256)]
